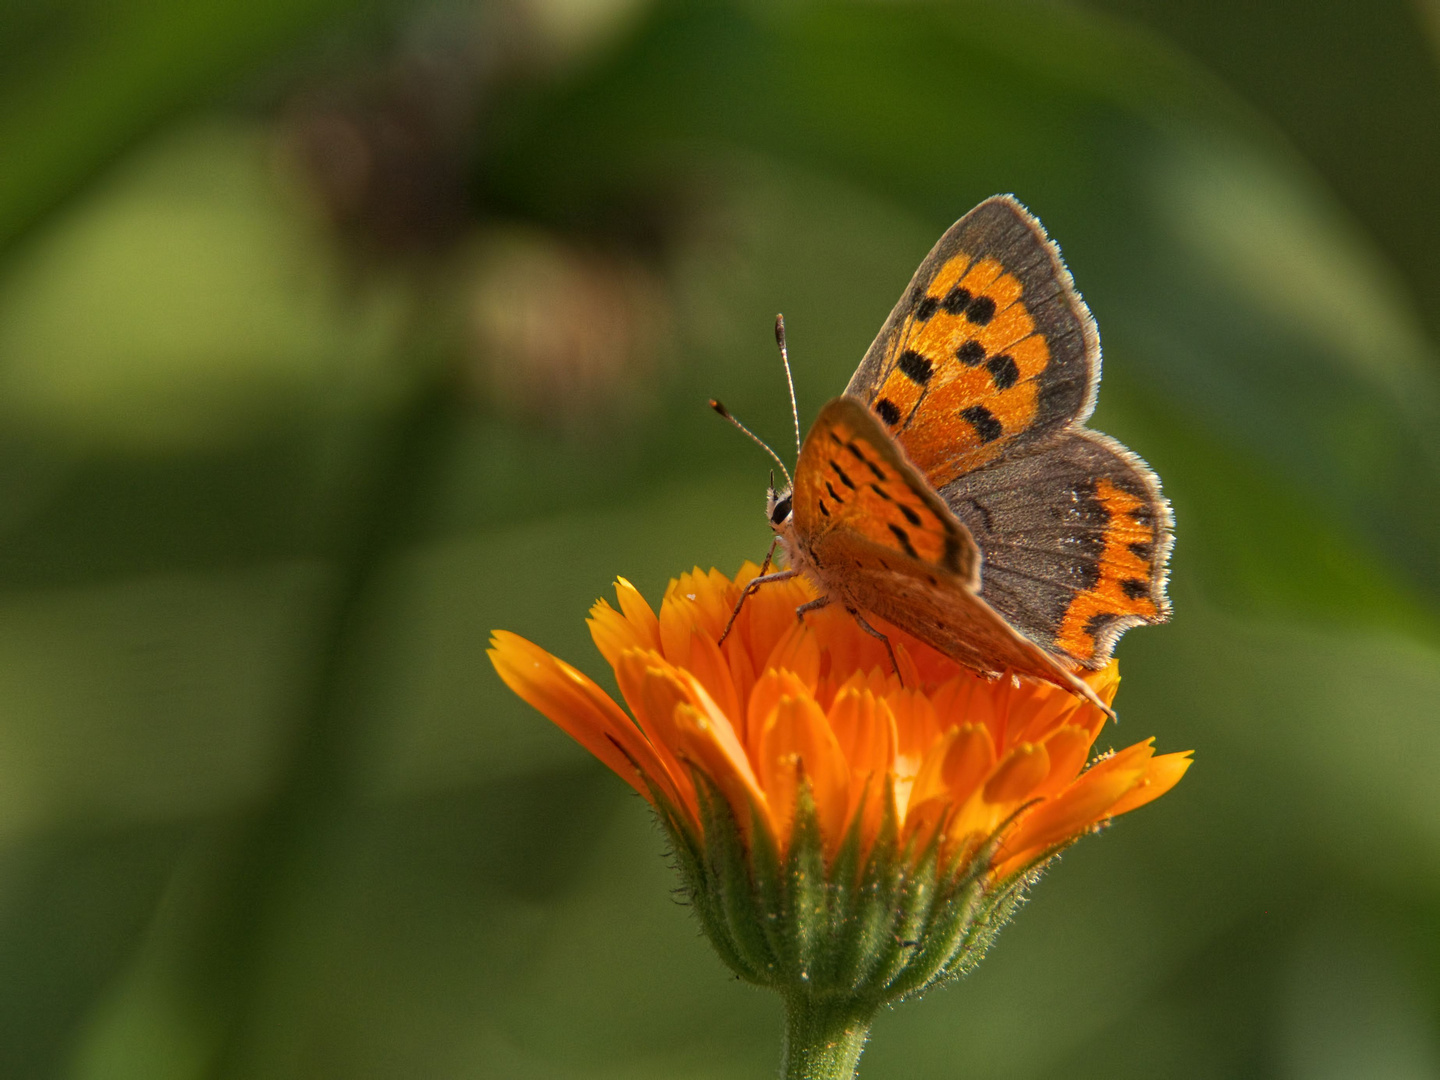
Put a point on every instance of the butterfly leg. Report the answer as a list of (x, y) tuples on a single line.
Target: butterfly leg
[(812, 605), (754, 586), (860, 619)]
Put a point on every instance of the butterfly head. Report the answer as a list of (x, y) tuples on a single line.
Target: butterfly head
[(777, 505)]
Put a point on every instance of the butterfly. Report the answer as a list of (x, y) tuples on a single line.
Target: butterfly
[(954, 490)]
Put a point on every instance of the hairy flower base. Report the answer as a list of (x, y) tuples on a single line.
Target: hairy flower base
[(848, 834), (856, 929)]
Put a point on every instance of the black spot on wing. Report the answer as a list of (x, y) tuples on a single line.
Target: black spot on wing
[(844, 477), (971, 354), (904, 538), (823, 511), (1142, 549), (1003, 371), (925, 310), (916, 367), (956, 300), (1135, 589), (983, 421), (910, 515), (833, 493), (881, 492), (878, 472), (887, 411), (980, 310)]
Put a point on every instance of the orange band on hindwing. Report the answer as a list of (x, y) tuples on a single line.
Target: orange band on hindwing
[(1124, 592)]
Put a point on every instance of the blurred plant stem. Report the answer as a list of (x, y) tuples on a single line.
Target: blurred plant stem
[(823, 1039), (287, 838)]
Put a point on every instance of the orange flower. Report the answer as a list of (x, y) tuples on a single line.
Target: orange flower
[(788, 715)]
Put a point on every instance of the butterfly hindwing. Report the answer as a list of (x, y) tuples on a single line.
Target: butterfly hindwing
[(988, 349), (1075, 536)]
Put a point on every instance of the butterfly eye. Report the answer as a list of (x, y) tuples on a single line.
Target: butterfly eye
[(781, 511)]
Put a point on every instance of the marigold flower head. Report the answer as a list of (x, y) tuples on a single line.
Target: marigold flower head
[(840, 826)]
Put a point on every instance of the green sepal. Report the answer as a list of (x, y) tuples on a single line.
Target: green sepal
[(692, 859), (770, 903), (919, 889), (852, 932), (832, 968), (730, 887), (805, 906), (873, 912)]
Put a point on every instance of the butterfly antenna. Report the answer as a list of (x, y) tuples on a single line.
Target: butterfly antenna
[(789, 380), (753, 438)]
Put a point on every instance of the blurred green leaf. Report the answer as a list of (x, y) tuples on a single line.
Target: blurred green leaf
[(93, 78)]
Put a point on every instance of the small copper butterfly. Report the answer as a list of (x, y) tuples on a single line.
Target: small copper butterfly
[(955, 491)]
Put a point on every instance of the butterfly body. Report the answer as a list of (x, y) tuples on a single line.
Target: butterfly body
[(954, 490)]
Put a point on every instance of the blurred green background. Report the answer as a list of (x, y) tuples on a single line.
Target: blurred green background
[(334, 335)]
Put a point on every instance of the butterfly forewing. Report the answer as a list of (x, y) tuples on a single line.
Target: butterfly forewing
[(989, 348), (852, 480)]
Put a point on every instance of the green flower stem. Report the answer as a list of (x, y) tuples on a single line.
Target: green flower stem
[(823, 1038)]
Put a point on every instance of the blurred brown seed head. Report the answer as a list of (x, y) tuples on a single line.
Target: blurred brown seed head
[(562, 334)]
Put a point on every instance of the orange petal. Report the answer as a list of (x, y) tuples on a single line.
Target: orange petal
[(798, 651), (1070, 813), (797, 741), (654, 711), (708, 747), (716, 596), (677, 618), (915, 722), (905, 664), (929, 778), (770, 613), (1068, 747), (963, 699), (722, 731), (968, 761), (1037, 710), (868, 797), (1162, 773), (1018, 774), (769, 689), (865, 729), (710, 667), (612, 632), (584, 712), (638, 614), (742, 674)]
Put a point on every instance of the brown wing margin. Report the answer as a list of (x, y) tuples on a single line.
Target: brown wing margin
[(1001, 228)]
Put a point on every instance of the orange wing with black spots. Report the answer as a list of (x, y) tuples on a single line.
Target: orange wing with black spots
[(876, 537), (990, 347), (984, 374), (852, 482)]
